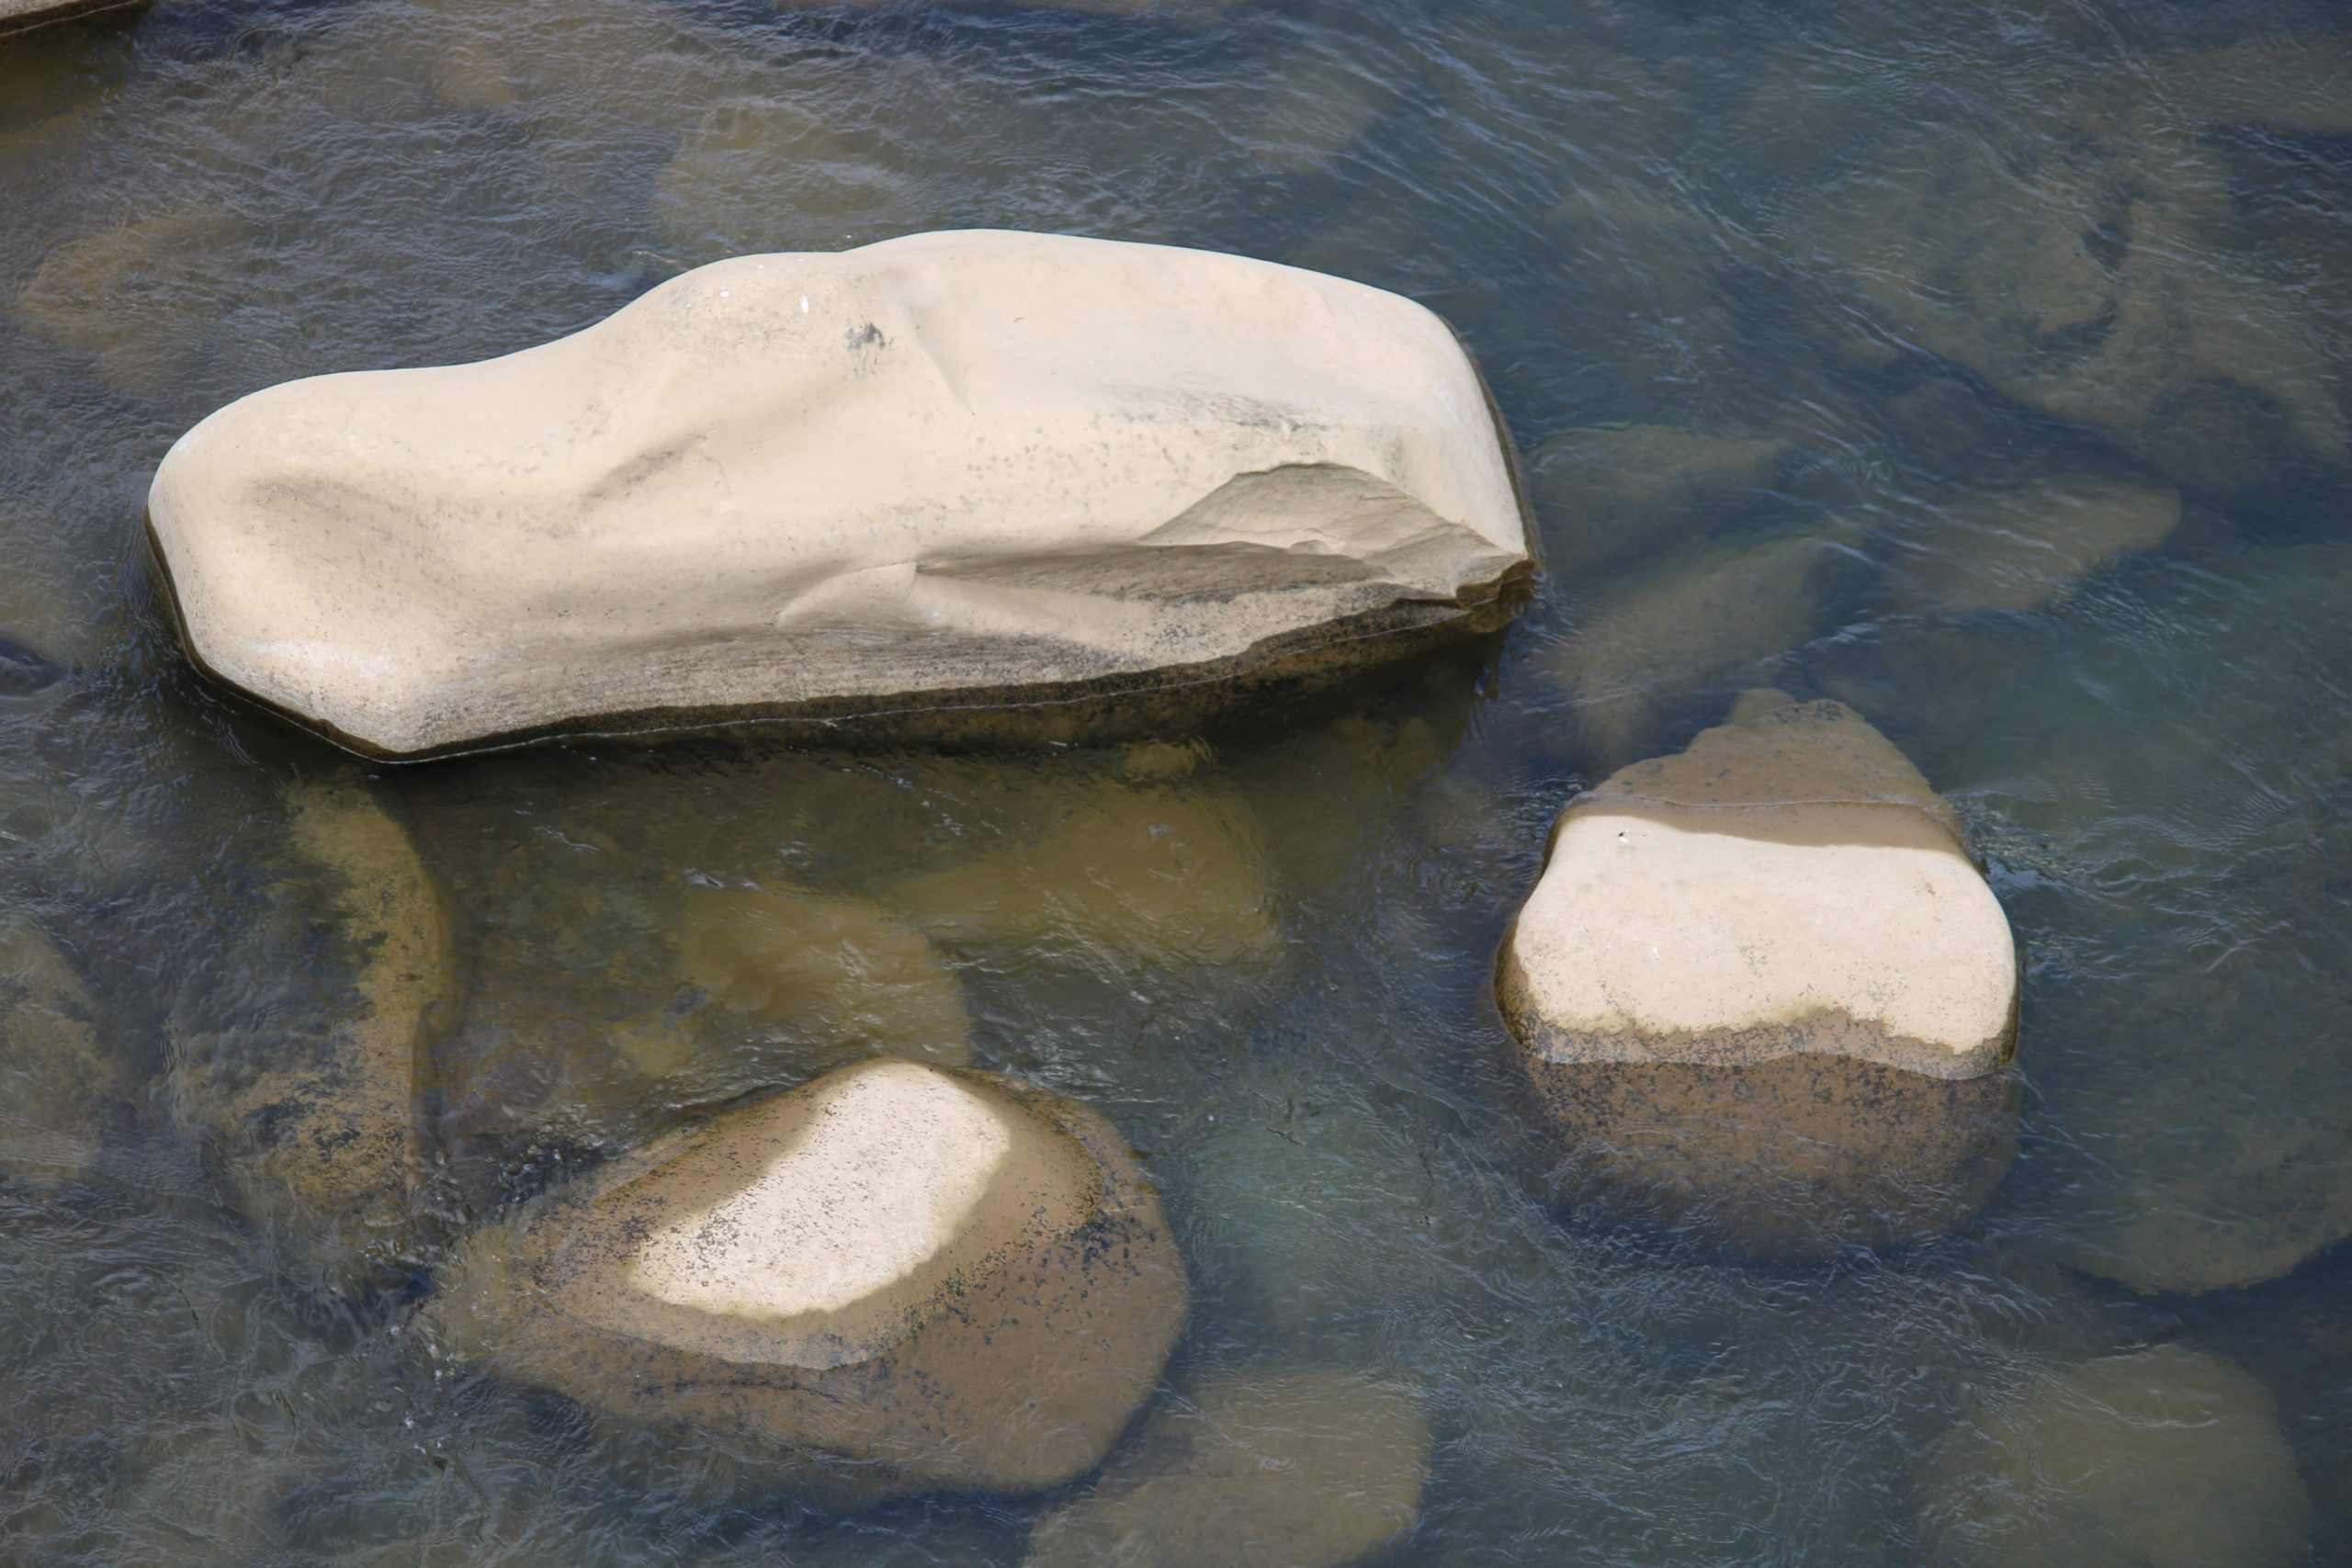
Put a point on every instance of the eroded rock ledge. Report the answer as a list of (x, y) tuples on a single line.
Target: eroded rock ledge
[(954, 470), (1763, 992)]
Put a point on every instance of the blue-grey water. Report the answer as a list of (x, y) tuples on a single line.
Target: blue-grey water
[(2007, 343)]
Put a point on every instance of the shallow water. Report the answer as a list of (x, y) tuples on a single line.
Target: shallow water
[(1897, 262)]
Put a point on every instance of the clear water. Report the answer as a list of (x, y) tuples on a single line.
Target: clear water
[(1919, 253)]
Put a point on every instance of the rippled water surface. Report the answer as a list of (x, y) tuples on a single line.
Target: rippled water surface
[(1982, 365)]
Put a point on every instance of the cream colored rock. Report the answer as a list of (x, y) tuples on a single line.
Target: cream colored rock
[(955, 469), (2163, 1459), (897, 1277), (1308, 1467), (57, 1075), (24, 16), (301, 1055), (1762, 989)]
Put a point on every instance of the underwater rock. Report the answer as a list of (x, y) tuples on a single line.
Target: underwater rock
[(897, 1277), (840, 968), (606, 993), (1171, 874), (1607, 495), (2299, 84), (2165, 1458), (57, 1077), (1711, 610), (298, 1057), (1760, 989), (137, 296), (24, 16), (2233, 1183), (1303, 1467), (881, 483), (2025, 548), (2097, 271)]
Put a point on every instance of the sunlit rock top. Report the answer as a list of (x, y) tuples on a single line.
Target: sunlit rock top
[(819, 1229), (1789, 882), (951, 469), (895, 1277)]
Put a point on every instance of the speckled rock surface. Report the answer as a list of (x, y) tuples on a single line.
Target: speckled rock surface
[(897, 1277), (2167, 1457), (1761, 989), (823, 487), (1300, 1467), (299, 1062), (24, 16)]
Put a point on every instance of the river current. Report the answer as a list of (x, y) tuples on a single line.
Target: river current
[(2031, 320)]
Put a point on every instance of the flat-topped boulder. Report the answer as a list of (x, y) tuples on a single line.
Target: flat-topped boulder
[(897, 1277), (1761, 990), (1062, 480)]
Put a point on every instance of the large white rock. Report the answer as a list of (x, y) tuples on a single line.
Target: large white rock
[(951, 469), (1762, 989), (897, 1276)]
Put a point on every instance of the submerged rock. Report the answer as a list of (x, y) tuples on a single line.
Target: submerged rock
[(605, 997), (1162, 875), (2299, 84), (1761, 990), (839, 968), (57, 1080), (2025, 546), (871, 484), (1713, 610), (1306, 1467), (24, 16), (2163, 1459), (301, 1054), (896, 1277), (2097, 271), (1607, 496), (137, 296)]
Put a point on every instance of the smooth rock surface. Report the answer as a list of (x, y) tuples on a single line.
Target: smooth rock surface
[(1306, 1467), (897, 1277), (301, 1058), (2167, 1457), (1762, 989), (825, 486), (57, 1073)]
